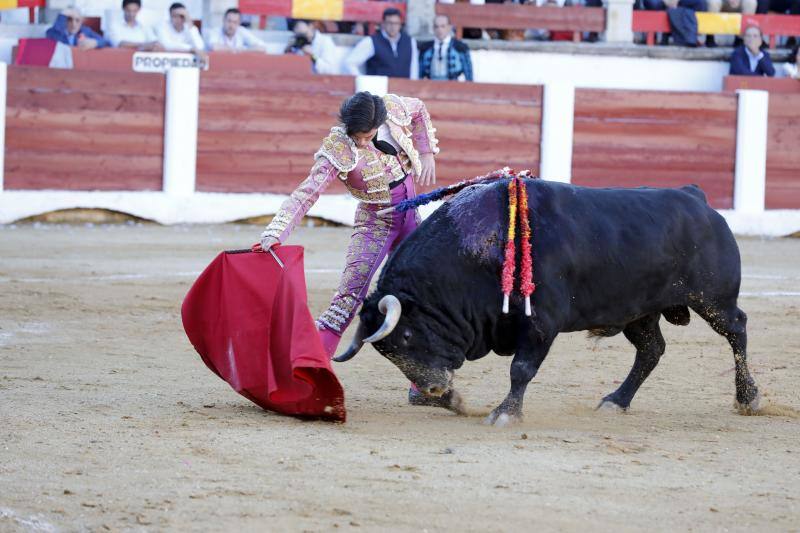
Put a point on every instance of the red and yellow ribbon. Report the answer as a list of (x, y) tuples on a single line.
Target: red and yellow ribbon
[(518, 204)]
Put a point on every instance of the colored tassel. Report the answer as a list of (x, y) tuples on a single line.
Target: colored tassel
[(507, 280), (527, 286)]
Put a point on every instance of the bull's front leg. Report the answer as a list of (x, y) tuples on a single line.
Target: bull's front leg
[(524, 367)]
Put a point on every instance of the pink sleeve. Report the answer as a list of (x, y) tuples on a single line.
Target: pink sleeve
[(300, 201), (422, 130)]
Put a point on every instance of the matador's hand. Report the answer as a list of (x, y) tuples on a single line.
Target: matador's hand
[(428, 174), (265, 244)]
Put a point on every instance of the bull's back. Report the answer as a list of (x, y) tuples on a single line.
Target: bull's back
[(611, 255)]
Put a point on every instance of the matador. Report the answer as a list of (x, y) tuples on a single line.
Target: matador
[(382, 146)]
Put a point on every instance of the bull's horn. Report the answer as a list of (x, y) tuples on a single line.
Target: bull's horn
[(389, 306), (355, 346)]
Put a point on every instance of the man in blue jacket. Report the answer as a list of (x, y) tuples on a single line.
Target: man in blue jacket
[(749, 59), (69, 29)]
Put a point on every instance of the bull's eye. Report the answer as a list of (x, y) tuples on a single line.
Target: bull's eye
[(406, 335)]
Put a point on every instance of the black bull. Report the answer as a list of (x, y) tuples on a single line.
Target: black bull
[(605, 260)]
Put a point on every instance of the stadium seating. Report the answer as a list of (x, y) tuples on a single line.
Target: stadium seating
[(652, 22)]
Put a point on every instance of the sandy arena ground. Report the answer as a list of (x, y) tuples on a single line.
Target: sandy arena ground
[(110, 421)]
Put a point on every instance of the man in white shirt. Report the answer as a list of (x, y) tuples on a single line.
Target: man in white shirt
[(319, 47), (130, 33), (180, 34), (232, 37), (390, 52)]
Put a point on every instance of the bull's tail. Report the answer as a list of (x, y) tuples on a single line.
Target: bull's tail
[(678, 315)]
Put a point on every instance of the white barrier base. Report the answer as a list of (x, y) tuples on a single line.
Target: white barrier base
[(213, 208), (770, 223), (199, 208)]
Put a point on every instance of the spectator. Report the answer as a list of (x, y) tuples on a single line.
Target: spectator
[(129, 33), (682, 20), (732, 6), (790, 68), (232, 36), (389, 52), (663, 5), (309, 41), (444, 58), (180, 34), (791, 7), (69, 29), (749, 59)]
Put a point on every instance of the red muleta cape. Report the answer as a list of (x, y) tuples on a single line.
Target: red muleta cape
[(248, 319)]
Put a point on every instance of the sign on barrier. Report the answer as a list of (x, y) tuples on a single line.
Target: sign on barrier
[(163, 61)]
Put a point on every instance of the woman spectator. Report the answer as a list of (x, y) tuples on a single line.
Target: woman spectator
[(749, 59)]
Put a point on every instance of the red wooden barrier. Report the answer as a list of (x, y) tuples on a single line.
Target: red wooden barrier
[(259, 133), (763, 83), (783, 152), (83, 130), (660, 139), (481, 127)]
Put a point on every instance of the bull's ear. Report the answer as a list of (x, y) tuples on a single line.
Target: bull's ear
[(409, 304)]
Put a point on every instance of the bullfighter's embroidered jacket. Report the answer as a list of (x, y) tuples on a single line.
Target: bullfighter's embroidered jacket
[(366, 172)]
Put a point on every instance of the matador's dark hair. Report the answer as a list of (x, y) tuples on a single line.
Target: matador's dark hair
[(362, 112)]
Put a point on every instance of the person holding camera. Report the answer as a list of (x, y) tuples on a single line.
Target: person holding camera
[(319, 47), (180, 34)]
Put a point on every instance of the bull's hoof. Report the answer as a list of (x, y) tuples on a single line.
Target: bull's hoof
[(451, 400), (748, 409), (608, 405), (501, 419)]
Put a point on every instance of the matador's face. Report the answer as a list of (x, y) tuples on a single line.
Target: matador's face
[(364, 138)]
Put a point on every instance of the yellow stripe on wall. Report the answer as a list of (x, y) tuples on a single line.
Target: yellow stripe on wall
[(719, 23), (8, 4), (316, 9)]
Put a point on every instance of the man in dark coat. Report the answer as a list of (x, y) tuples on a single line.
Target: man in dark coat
[(389, 52), (749, 59), (69, 29), (444, 58)]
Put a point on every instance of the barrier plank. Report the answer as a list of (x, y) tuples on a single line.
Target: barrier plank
[(83, 130), (264, 140), (762, 83), (783, 152), (661, 139), (481, 127)]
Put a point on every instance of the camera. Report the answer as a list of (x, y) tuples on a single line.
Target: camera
[(296, 46)]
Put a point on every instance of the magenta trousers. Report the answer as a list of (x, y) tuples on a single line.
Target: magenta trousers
[(373, 238)]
